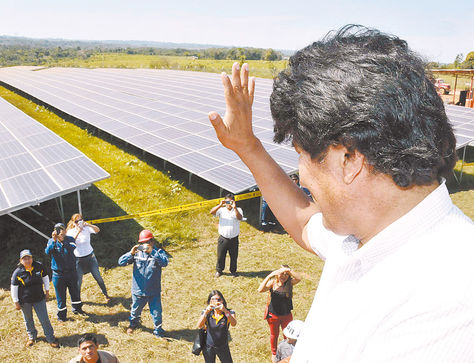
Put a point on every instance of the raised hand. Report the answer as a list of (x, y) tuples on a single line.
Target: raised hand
[(235, 131), (134, 249)]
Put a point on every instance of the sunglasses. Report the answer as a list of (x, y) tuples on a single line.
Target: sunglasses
[(77, 221)]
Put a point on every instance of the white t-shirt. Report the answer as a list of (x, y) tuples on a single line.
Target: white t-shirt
[(229, 225), (83, 241), (407, 295)]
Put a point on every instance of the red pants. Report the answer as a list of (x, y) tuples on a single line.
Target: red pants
[(274, 321)]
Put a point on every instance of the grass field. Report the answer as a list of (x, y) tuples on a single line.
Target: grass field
[(264, 69), (463, 82), (136, 186)]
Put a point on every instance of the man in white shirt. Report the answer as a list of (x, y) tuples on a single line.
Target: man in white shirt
[(374, 145), (229, 229)]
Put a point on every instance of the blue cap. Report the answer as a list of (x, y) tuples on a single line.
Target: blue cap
[(59, 225), (25, 253)]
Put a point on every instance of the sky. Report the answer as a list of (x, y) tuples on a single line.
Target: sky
[(436, 30)]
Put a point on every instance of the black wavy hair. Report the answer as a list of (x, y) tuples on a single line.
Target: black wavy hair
[(88, 337), (367, 91), (216, 292)]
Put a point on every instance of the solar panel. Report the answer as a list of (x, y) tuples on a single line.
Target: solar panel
[(163, 112), (37, 165), (462, 119)]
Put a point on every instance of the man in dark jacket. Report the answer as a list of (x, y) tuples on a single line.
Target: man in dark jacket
[(63, 263)]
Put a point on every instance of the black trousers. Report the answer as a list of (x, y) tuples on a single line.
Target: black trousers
[(210, 353), (224, 245)]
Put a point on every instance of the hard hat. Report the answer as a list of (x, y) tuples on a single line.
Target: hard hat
[(293, 329), (144, 236)]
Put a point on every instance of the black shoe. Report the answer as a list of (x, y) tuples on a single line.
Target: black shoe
[(218, 274), (79, 312), (234, 274)]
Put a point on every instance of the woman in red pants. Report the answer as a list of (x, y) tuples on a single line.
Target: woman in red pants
[(278, 313)]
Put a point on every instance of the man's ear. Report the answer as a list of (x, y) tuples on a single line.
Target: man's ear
[(352, 165)]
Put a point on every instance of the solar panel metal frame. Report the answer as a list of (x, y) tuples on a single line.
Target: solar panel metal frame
[(140, 109), (37, 165), (164, 111)]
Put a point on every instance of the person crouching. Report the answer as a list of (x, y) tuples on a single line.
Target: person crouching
[(285, 348)]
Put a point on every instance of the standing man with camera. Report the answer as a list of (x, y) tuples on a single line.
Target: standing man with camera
[(147, 260), (229, 229), (63, 263)]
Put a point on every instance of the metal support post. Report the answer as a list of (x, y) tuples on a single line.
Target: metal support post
[(79, 206), (61, 208), (27, 225)]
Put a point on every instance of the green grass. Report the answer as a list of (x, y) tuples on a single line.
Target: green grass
[(463, 83), (190, 237), (136, 186), (265, 69)]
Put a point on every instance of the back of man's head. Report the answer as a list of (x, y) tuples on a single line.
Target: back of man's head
[(367, 91)]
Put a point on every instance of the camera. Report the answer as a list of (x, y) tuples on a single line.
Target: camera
[(228, 202), (142, 247)]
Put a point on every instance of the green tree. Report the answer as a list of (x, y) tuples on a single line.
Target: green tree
[(458, 60), (270, 55), (469, 61)]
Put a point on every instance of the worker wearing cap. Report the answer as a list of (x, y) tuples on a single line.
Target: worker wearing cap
[(285, 348), (147, 261), (27, 293), (63, 263)]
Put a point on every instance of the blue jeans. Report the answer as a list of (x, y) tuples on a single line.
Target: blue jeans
[(223, 353), (61, 282), (42, 314), (154, 303), (267, 215), (88, 264)]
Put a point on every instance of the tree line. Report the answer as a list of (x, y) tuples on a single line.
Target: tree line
[(460, 62), (11, 55)]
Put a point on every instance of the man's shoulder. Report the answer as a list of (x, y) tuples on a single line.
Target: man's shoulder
[(17, 271), (37, 265), (107, 357), (454, 231), (69, 239)]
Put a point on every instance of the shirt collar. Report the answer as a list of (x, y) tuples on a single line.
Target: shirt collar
[(424, 216)]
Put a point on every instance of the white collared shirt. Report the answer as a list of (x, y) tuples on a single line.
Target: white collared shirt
[(229, 225), (407, 295), (83, 240)]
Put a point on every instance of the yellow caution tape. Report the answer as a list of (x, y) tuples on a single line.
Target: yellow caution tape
[(180, 208)]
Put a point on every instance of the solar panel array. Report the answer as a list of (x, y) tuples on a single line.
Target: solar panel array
[(37, 165), (462, 119), (163, 112)]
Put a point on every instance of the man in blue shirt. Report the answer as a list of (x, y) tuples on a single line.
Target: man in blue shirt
[(63, 263), (147, 262)]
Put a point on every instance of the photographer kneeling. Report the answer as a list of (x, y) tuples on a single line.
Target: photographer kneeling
[(147, 262)]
